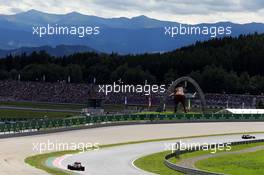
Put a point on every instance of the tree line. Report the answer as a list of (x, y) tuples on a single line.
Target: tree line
[(230, 65)]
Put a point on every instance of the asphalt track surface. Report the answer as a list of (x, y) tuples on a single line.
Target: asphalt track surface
[(119, 160), (13, 151)]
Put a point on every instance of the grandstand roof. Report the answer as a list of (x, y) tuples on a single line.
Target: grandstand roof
[(243, 111)]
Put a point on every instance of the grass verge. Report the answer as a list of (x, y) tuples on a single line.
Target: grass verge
[(154, 163), (38, 161), (235, 164)]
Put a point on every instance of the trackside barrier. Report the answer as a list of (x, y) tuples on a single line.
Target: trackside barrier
[(192, 171), (26, 125)]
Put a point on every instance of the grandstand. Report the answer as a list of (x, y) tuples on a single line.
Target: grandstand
[(62, 92)]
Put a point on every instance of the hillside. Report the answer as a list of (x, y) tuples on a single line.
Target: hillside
[(233, 65), (58, 51)]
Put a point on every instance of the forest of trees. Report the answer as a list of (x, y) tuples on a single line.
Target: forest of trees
[(230, 65)]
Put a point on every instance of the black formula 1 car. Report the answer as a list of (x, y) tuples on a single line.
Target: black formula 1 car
[(248, 137), (77, 166)]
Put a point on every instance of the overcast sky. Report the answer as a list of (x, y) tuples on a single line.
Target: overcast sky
[(185, 11)]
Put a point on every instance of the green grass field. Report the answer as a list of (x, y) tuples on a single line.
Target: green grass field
[(152, 112), (154, 162), (28, 113), (241, 164), (43, 105), (11, 113), (166, 112)]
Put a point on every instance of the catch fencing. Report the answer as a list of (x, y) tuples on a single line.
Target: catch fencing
[(8, 126)]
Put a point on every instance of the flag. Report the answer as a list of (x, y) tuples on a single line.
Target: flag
[(125, 100), (149, 101)]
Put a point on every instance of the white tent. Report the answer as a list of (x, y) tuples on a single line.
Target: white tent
[(241, 111)]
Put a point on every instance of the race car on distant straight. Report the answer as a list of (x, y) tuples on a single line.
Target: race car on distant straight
[(248, 137), (77, 166)]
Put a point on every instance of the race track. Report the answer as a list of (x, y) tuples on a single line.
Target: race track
[(13, 151), (119, 160)]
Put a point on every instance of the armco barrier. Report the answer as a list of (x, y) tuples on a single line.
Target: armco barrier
[(192, 171), (18, 126)]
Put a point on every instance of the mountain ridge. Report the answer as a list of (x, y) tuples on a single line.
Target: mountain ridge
[(58, 51), (123, 35)]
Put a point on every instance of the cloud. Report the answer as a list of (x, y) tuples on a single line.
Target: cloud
[(184, 6), (255, 5), (192, 11)]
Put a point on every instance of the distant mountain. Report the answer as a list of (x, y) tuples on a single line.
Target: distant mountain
[(123, 35), (60, 50), (34, 17)]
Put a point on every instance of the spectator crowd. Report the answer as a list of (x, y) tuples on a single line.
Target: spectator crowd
[(62, 92)]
